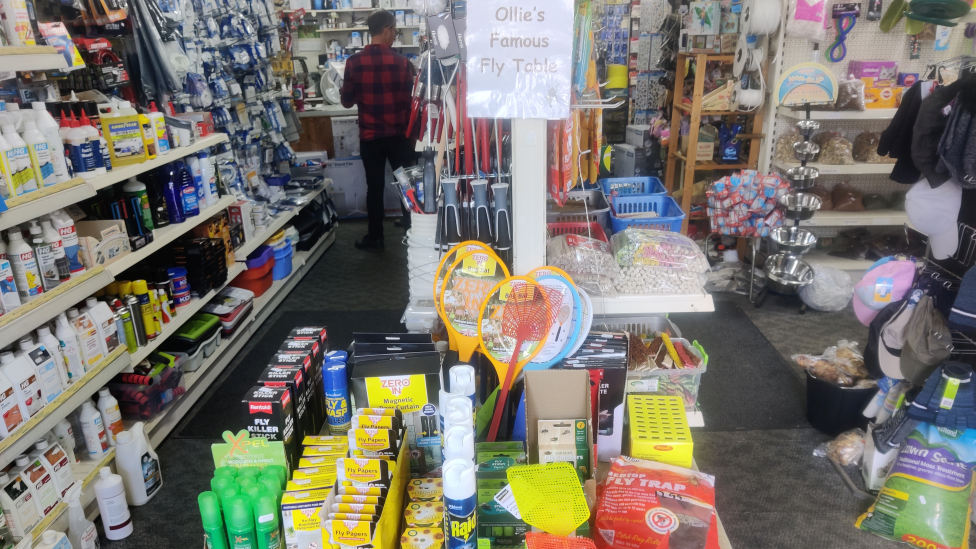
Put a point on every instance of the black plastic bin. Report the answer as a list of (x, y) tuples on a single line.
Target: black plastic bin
[(832, 409)]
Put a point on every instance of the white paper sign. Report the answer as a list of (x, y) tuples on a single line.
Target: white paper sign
[(519, 58)]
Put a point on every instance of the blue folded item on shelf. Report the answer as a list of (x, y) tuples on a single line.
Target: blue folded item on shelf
[(948, 399)]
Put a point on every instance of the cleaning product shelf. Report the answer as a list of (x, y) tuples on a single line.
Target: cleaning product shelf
[(349, 10), (162, 237), (85, 472), (363, 28), (651, 304), (31, 58), (21, 440), (279, 222), (866, 114), (197, 382), (857, 219), (125, 172), (27, 317), (25, 207), (857, 168)]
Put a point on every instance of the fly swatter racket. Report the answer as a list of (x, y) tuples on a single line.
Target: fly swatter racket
[(446, 261), (514, 322), (466, 285), (565, 330), (547, 270)]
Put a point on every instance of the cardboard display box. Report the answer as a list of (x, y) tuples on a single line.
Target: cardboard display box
[(102, 242), (557, 394)]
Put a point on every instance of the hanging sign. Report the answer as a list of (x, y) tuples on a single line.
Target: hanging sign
[(241, 450), (806, 84), (519, 62)]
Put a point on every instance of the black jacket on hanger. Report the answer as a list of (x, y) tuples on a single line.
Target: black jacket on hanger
[(927, 133), (896, 140)]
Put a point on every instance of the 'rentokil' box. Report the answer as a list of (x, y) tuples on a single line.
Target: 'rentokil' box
[(268, 413), (317, 393), (292, 379)]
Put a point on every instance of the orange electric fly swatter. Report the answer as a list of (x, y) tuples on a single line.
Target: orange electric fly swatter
[(514, 322), (466, 285), (446, 261)]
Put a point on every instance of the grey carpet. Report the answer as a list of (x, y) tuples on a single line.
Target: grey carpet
[(747, 385)]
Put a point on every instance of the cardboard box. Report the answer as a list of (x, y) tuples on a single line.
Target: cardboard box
[(217, 226), (317, 393), (610, 416), (881, 98), (240, 214), (306, 362), (102, 242), (638, 135), (410, 385), (292, 379), (302, 516), (345, 137), (557, 394), (875, 464), (269, 413)]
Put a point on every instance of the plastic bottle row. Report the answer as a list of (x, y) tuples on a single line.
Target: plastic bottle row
[(243, 511), (38, 258)]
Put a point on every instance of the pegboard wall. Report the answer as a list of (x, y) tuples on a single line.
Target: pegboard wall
[(865, 43)]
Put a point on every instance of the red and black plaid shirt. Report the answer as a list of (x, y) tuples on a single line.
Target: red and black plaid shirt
[(378, 80)]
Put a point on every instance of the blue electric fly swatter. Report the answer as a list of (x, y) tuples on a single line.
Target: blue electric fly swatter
[(565, 329)]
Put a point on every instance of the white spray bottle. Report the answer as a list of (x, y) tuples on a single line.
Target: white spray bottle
[(22, 173), (460, 502), (50, 129), (81, 531), (70, 349)]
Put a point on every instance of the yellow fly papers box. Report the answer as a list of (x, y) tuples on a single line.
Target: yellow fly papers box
[(302, 480), (659, 430), (343, 533), (357, 508), (318, 440), (325, 451), (345, 490), (300, 513)]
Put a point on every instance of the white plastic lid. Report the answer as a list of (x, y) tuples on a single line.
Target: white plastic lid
[(34, 227), (49, 536), (6, 358), (4, 478), (125, 105), (125, 437), (29, 124), (91, 302), (105, 473), (43, 331), (41, 444), (104, 392), (25, 343), (22, 460), (72, 313), (8, 128), (38, 105)]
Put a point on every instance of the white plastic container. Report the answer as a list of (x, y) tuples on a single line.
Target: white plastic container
[(65, 434), (208, 178), (27, 275), (161, 137), (460, 501), (459, 443), (81, 531), (40, 481), (82, 151), (13, 412), (48, 375), (70, 348), (96, 439), (92, 344), (53, 346), (138, 464), (55, 461), (7, 186), (18, 503), (108, 332), (108, 407), (53, 237), (48, 126), (53, 540), (40, 153), (44, 254), (462, 378), (196, 170), (112, 505), (65, 226), (22, 375), (22, 171), (9, 298)]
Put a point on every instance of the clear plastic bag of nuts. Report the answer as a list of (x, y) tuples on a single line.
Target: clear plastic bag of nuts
[(784, 146), (659, 280)]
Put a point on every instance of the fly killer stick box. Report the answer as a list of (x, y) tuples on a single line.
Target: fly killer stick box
[(312, 348), (304, 361), (411, 386), (268, 413), (292, 380)]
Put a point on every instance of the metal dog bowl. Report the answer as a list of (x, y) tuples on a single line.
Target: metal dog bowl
[(800, 206), (805, 151), (791, 240), (802, 174), (807, 127), (786, 274)]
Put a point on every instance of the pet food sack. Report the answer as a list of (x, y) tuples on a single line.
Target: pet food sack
[(925, 499), (650, 505)]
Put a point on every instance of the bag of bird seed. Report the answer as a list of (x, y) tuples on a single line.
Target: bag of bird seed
[(925, 499)]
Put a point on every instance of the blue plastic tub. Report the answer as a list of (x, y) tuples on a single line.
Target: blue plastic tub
[(259, 257), (669, 213), (633, 185), (282, 266)]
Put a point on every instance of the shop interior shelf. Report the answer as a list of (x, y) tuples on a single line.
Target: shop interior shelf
[(857, 219), (364, 28), (350, 10), (276, 225), (31, 58), (163, 237), (651, 304), (842, 169), (866, 114), (27, 317), (24, 438), (820, 257), (25, 207), (196, 382), (125, 172), (85, 472)]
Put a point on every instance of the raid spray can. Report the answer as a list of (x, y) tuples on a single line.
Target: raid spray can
[(460, 502), (462, 377), (337, 396)]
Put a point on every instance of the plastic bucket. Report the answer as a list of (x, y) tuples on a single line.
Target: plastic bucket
[(832, 409), (282, 266)]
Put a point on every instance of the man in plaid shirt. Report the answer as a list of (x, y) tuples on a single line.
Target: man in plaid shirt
[(379, 80)]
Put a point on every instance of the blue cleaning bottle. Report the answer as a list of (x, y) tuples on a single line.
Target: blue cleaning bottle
[(166, 175), (184, 183)]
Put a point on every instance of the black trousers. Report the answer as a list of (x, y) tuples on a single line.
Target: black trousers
[(398, 150)]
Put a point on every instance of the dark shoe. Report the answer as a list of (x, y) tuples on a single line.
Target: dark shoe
[(370, 243)]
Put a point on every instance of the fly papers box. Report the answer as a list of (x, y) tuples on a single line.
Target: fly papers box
[(305, 361), (269, 413), (302, 347), (292, 379), (411, 386)]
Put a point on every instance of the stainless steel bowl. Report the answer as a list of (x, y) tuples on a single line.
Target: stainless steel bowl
[(791, 240), (802, 174), (802, 185), (807, 127), (786, 274), (800, 206), (805, 150)]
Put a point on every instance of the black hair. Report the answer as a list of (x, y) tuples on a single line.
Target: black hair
[(379, 21)]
